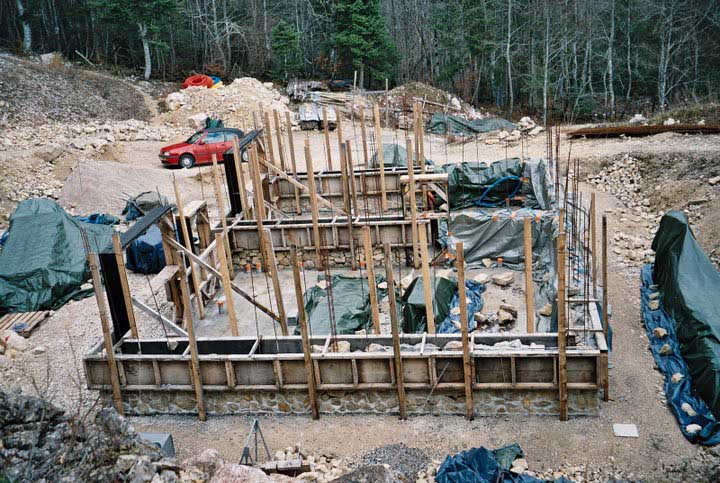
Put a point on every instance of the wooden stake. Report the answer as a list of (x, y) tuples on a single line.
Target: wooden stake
[(313, 203), (339, 131), (268, 137), (380, 157), (413, 206), (259, 210), (278, 134), (309, 372), (351, 177), (326, 128), (375, 311), (462, 297), (220, 247), (387, 105), (427, 283), (593, 242), (223, 218), (420, 148), (529, 288), (366, 158), (562, 327), (117, 249), (194, 361), (271, 267), (167, 229), (188, 244), (605, 287), (240, 174), (399, 380), (107, 338), (291, 148), (346, 202)]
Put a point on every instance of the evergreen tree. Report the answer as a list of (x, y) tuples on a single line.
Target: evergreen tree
[(287, 58), (362, 40)]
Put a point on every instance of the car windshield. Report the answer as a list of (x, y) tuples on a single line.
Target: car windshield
[(194, 138)]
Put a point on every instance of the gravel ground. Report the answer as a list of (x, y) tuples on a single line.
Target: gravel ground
[(400, 457)]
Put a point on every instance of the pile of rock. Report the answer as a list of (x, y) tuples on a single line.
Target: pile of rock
[(505, 318), (323, 467), (526, 127), (406, 461), (402, 96), (234, 103)]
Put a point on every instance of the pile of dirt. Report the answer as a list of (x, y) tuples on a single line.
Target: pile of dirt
[(34, 94), (402, 96), (233, 103)]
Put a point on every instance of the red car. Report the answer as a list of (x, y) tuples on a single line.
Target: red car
[(199, 148)]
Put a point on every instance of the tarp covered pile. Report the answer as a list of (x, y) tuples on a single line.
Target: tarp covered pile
[(443, 123), (679, 296), (414, 319), (394, 156), (43, 263)]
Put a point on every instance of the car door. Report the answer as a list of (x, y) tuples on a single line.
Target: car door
[(214, 142)]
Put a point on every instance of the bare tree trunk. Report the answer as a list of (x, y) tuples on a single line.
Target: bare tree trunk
[(547, 64), (146, 49), (507, 55), (610, 67), (27, 32)]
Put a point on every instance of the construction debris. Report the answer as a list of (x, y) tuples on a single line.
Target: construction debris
[(617, 131)]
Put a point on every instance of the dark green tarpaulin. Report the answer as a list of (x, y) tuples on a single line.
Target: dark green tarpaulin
[(440, 124), (468, 181), (394, 156), (351, 301), (412, 302), (689, 285), (43, 263)]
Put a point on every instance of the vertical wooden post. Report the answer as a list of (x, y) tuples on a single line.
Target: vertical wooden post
[(420, 148), (326, 128), (346, 202), (529, 287), (259, 210), (189, 245), (278, 134), (380, 157), (223, 217), (167, 229), (220, 246), (562, 327), (339, 130), (309, 372), (427, 283), (189, 326), (462, 297), (107, 338), (293, 163), (240, 174), (268, 133), (351, 176), (593, 242), (313, 203), (387, 105), (366, 158), (413, 205), (605, 286), (374, 310), (394, 326), (271, 267), (117, 249)]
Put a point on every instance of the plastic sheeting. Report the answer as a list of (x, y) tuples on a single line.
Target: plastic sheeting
[(481, 465), (43, 263), (146, 254), (143, 203), (412, 302), (689, 285), (394, 156), (351, 305), (473, 294), (670, 363), (442, 123)]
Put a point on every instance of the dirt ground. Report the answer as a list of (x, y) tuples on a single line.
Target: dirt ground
[(102, 182)]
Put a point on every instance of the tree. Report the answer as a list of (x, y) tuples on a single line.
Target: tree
[(146, 15), (362, 39), (287, 58)]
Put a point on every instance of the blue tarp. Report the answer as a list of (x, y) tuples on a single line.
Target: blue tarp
[(145, 254), (473, 292), (481, 465), (99, 219), (673, 363)]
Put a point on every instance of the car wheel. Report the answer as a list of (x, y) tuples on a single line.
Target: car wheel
[(187, 161)]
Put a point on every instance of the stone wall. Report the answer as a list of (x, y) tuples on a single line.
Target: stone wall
[(487, 402), (337, 258)]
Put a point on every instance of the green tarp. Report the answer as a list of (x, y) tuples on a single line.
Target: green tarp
[(442, 123), (351, 301), (468, 181), (394, 156), (43, 262), (412, 302), (689, 285)]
